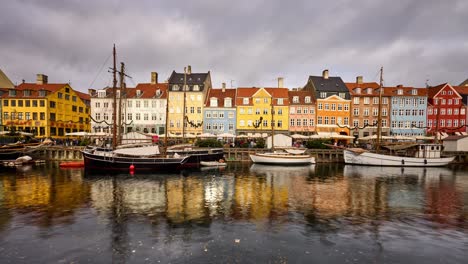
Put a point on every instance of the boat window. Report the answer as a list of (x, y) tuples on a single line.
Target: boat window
[(432, 148), (422, 147)]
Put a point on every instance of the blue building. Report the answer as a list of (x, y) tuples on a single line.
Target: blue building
[(219, 114), (408, 111)]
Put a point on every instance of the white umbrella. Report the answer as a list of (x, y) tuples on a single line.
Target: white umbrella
[(298, 136), (81, 134), (226, 135), (206, 135)]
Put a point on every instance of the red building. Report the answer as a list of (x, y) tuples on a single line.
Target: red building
[(446, 112)]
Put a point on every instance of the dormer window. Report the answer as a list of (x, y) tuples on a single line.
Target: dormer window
[(27, 93), (342, 95), (357, 90), (246, 101), (400, 91), (196, 87), (214, 102), (118, 94), (101, 94), (42, 93), (296, 99), (323, 94), (158, 92), (414, 92), (12, 93), (369, 90), (138, 93), (175, 87), (307, 99), (227, 102), (280, 101)]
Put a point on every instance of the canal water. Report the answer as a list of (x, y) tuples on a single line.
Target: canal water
[(240, 214)]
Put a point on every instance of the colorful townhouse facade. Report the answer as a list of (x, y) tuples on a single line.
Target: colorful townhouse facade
[(142, 109), (5, 84), (462, 90), (220, 111), (254, 108), (45, 109), (446, 110), (408, 114), (187, 93), (365, 103), (302, 112), (333, 102)]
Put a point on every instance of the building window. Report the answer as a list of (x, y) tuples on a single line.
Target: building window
[(245, 101), (323, 94), (296, 99), (319, 106), (307, 99)]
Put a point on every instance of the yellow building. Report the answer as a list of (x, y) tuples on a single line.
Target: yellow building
[(187, 90), (254, 110), (45, 109)]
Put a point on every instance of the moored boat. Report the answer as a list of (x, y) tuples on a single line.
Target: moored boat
[(213, 163), (282, 158)]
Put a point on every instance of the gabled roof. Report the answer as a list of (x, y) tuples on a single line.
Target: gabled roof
[(461, 89), (83, 96), (5, 82), (432, 91), (221, 94), (246, 92)]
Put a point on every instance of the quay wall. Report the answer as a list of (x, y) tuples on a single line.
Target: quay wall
[(62, 153)]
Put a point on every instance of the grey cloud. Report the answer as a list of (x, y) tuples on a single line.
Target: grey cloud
[(251, 42)]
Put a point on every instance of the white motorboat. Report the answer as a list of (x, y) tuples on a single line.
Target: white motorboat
[(416, 155), (213, 164), (282, 158)]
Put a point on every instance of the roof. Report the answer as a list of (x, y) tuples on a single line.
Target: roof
[(35, 88), (5, 82), (461, 89), (148, 90), (243, 92), (387, 91), (464, 83), (191, 79), (433, 90), (454, 138), (221, 94), (302, 94), (331, 84), (407, 91), (83, 96)]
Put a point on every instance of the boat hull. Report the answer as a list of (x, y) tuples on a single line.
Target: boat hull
[(281, 159), (374, 159), (110, 163), (198, 155)]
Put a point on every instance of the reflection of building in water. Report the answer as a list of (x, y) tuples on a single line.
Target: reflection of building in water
[(185, 199), (59, 195), (219, 195)]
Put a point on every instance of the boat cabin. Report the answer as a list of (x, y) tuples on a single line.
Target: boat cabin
[(429, 151)]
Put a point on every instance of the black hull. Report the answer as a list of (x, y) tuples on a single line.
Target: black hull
[(103, 163), (11, 154)]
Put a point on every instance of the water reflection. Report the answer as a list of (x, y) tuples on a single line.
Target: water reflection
[(322, 199)]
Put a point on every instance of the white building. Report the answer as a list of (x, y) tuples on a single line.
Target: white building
[(456, 143), (143, 108)]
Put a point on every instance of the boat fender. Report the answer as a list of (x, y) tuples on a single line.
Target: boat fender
[(425, 161), (132, 168), (403, 162)]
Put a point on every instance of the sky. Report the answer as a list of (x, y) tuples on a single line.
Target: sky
[(243, 43)]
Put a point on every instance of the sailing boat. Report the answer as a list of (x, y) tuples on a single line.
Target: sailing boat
[(125, 157), (413, 155), (281, 157)]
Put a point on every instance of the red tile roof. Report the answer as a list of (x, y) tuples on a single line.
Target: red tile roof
[(243, 92), (148, 91), (35, 88), (302, 94), (461, 89), (432, 91), (221, 95), (407, 91)]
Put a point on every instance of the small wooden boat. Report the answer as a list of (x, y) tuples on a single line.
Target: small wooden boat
[(213, 163), (72, 164)]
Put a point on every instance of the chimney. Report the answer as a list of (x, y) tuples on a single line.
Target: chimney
[(359, 79), (91, 92), (325, 74), (154, 78), (224, 87), (41, 79), (189, 69), (399, 86), (280, 82), (23, 80)]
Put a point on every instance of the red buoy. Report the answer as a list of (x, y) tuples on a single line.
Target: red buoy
[(132, 167)]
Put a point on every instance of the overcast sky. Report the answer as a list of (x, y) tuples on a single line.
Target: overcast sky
[(251, 42)]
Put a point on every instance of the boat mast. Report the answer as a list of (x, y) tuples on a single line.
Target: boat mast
[(114, 89), (122, 76), (167, 120), (183, 109), (272, 124), (379, 117), (437, 122)]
